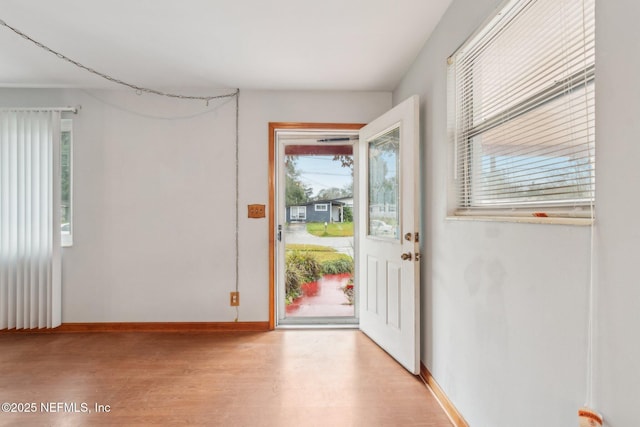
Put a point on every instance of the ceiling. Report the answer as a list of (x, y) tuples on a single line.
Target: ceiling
[(189, 44)]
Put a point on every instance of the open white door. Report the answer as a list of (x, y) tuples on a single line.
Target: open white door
[(388, 220)]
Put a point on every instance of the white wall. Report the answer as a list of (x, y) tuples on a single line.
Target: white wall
[(154, 199), (505, 305), (618, 174)]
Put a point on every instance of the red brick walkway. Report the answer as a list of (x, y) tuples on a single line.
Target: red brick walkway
[(328, 301)]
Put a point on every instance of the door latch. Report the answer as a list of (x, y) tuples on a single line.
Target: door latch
[(411, 236), (407, 256)]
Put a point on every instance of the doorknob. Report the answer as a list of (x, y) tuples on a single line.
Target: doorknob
[(406, 256)]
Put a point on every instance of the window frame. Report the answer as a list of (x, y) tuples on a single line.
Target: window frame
[(321, 207), (464, 172)]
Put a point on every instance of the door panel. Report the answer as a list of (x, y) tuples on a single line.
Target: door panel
[(387, 245), (394, 298), (371, 291)]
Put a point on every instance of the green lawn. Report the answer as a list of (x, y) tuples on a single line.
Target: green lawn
[(321, 253), (334, 229)]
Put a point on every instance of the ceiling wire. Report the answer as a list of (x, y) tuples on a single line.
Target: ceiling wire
[(138, 89)]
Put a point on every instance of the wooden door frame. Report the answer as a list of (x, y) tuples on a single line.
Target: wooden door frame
[(273, 127)]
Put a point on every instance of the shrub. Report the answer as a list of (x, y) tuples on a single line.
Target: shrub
[(292, 284), (306, 264), (347, 213), (300, 267), (337, 266)]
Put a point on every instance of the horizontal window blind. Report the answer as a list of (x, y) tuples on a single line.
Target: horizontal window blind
[(525, 108)]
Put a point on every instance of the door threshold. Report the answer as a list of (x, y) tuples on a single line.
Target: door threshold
[(318, 326)]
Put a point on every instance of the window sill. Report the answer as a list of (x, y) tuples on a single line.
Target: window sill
[(523, 219)]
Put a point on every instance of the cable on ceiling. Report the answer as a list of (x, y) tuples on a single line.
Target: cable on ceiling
[(138, 89)]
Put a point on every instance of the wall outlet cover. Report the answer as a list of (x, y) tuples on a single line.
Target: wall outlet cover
[(234, 299), (256, 211)]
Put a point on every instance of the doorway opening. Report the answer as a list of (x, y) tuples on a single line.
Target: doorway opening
[(386, 225), (314, 247)]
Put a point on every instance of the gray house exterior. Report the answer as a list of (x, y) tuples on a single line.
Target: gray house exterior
[(318, 211)]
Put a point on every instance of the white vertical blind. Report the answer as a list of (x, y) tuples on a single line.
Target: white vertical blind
[(524, 107), (30, 271)]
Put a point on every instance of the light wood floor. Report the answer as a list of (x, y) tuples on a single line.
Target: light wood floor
[(280, 378)]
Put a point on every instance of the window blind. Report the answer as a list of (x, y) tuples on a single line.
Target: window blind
[(30, 269), (524, 108)]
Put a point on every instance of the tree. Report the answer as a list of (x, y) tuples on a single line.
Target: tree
[(332, 193), (296, 193), (346, 161)]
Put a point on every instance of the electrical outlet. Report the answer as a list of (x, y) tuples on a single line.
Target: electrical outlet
[(234, 299), (256, 211)]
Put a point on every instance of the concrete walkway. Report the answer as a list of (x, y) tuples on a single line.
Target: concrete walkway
[(297, 234)]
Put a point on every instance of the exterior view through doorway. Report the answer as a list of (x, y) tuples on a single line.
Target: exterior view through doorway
[(314, 248)]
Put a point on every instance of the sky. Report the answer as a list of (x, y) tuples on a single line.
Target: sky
[(320, 172)]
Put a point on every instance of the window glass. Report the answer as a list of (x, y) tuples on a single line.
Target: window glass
[(298, 212), (66, 157), (384, 182)]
